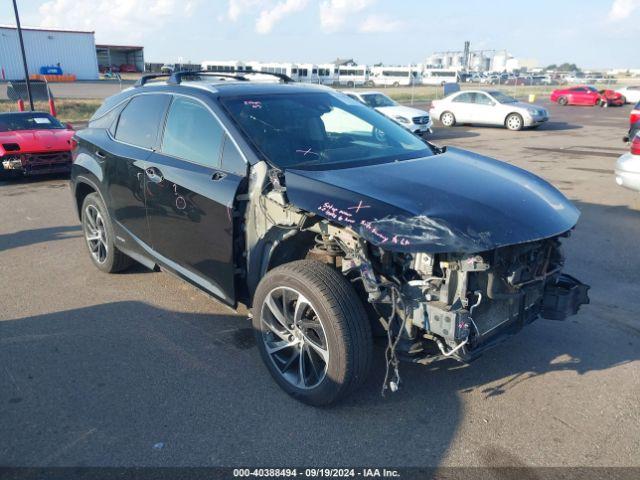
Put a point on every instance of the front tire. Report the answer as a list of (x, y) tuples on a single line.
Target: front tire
[(448, 119), (514, 122), (312, 332), (99, 236), (562, 101)]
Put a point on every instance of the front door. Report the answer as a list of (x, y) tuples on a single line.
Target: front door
[(190, 199), (486, 111)]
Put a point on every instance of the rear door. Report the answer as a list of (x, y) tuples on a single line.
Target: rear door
[(190, 197), (463, 106), (136, 134)]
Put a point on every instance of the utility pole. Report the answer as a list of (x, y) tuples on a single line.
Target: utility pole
[(24, 57)]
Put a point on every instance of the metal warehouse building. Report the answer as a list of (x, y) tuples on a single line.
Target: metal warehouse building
[(75, 51)]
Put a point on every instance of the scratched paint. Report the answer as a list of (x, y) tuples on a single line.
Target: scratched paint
[(404, 231), (338, 214)]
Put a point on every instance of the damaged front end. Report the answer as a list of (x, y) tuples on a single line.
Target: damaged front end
[(435, 306), (463, 304), (450, 262)]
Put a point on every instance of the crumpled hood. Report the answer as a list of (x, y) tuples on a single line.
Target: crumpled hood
[(457, 201), (37, 140), (402, 111)]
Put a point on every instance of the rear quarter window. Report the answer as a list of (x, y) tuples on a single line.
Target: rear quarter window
[(140, 121)]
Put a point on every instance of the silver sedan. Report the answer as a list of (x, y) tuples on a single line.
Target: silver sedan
[(490, 107)]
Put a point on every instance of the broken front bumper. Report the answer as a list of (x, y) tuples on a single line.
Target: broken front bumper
[(561, 299), (38, 163)]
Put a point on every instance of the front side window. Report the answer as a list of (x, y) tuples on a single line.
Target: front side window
[(140, 121), (482, 99), (314, 130), (192, 133)]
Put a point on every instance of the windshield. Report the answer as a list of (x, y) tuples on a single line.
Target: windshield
[(378, 100), (502, 98), (28, 121), (316, 129)]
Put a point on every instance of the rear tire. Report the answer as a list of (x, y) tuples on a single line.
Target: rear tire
[(562, 101), (99, 236), (307, 310), (448, 119)]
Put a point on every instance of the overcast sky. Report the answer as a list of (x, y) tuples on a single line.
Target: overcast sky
[(591, 33)]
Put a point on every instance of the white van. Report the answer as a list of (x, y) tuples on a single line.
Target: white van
[(439, 76), (394, 76), (354, 76), (228, 67)]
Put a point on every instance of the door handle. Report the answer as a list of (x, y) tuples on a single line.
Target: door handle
[(218, 176), (100, 155), (154, 175)]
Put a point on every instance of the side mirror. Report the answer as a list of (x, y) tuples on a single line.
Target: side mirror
[(69, 126)]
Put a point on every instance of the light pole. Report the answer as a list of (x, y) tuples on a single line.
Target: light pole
[(24, 57)]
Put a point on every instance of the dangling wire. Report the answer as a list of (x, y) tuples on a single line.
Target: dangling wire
[(390, 352)]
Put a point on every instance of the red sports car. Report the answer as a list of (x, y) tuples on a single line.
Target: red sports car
[(580, 95), (34, 142), (611, 97)]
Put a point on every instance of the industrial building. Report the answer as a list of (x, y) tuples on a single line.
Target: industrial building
[(72, 50)]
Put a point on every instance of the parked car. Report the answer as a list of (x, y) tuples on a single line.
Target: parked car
[(634, 122), (580, 95), (413, 119), (307, 205), (34, 143), (628, 166), (128, 68), (611, 98), (630, 93), (487, 107)]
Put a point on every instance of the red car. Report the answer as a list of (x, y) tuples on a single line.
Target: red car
[(128, 68), (33, 143), (611, 97), (580, 95)]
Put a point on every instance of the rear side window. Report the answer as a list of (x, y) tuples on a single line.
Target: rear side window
[(192, 133), (140, 121), (107, 120)]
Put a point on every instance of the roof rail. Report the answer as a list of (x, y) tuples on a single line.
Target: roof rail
[(176, 77), (145, 78)]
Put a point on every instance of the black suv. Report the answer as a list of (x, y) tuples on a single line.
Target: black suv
[(335, 224)]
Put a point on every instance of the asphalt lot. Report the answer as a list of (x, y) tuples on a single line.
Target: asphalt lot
[(142, 369)]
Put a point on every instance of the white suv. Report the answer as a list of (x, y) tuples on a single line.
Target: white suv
[(413, 119)]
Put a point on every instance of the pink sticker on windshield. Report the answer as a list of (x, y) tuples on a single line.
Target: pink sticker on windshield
[(253, 103)]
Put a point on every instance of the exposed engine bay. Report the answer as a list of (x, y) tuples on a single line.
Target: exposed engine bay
[(428, 305)]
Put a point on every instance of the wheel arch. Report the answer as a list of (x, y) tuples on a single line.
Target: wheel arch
[(84, 186), (506, 117)]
